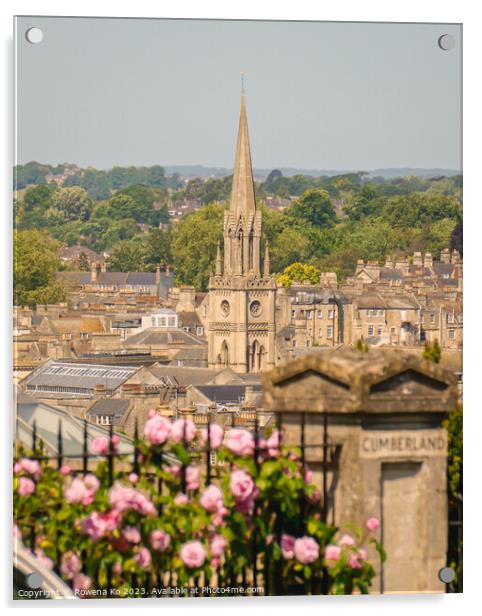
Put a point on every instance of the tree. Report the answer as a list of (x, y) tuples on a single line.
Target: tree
[(432, 352), (300, 272), (70, 204), (313, 207), (124, 229), (289, 246), (126, 256), (418, 209), (121, 206), (194, 243), (143, 197), (35, 263), (157, 248)]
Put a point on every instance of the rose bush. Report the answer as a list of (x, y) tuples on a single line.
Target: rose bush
[(160, 523)]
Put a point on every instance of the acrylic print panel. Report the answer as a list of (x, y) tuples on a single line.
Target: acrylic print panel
[(238, 308)]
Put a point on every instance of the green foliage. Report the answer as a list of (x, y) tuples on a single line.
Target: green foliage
[(454, 426), (194, 245), (69, 204), (432, 352), (126, 256), (31, 173), (314, 207), (300, 272), (35, 263)]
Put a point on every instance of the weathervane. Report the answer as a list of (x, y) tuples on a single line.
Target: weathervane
[(242, 82)]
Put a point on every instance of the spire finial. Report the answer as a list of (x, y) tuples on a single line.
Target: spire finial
[(242, 82)]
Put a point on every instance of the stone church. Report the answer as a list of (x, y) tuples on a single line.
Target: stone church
[(241, 313)]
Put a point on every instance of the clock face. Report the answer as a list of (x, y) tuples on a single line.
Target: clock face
[(255, 308), (225, 308)]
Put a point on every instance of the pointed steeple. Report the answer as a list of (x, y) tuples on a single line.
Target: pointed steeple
[(242, 193), (266, 264), (218, 271)]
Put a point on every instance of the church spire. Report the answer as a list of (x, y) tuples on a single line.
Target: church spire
[(266, 264), (218, 271), (242, 193)]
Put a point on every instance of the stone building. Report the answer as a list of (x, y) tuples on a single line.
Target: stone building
[(241, 317)]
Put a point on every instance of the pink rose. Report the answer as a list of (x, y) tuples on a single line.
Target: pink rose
[(159, 540), (183, 429), (214, 562), (287, 546), (192, 478), (308, 475), (31, 467), (181, 499), (124, 498), (363, 554), (354, 561), (306, 550), (273, 443), (117, 568), (82, 490), (65, 470), (99, 445), (175, 470), (332, 552), (131, 534), (112, 520), (211, 499), (133, 477), (193, 554), (346, 540), (70, 565), (218, 545), (157, 429), (241, 484), (143, 558), (240, 442), (373, 524), (25, 486), (81, 582), (94, 526), (216, 435), (152, 413)]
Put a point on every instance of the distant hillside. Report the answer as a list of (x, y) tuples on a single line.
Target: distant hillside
[(201, 171)]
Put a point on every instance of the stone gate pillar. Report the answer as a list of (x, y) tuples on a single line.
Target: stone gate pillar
[(388, 450)]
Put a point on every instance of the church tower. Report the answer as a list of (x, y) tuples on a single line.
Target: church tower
[(241, 295)]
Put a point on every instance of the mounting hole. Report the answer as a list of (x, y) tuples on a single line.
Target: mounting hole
[(34, 580), (446, 42), (446, 575), (34, 35)]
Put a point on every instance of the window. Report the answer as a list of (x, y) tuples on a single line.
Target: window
[(320, 335), (309, 314), (153, 321), (379, 330), (293, 314), (171, 322), (320, 314), (199, 331), (450, 317), (329, 331), (451, 334), (432, 318), (330, 314), (308, 343), (371, 330), (393, 331)]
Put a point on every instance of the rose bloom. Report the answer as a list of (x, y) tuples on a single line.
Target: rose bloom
[(183, 429), (81, 582), (157, 429), (143, 558), (308, 475), (193, 554), (123, 498), (131, 534), (211, 499), (25, 486), (240, 442), (32, 467), (363, 554), (70, 565), (94, 526), (192, 478), (346, 540), (273, 443), (133, 477), (332, 552), (65, 470), (218, 545), (241, 484), (287, 546), (306, 550), (159, 540), (181, 499), (111, 520), (117, 568), (354, 561), (43, 559), (216, 435), (373, 524), (99, 445)]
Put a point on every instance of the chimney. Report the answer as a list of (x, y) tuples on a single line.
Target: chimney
[(103, 267), (455, 257), (445, 256), (428, 260), (360, 264), (373, 268), (93, 271), (401, 264), (417, 259), (158, 275), (248, 396), (389, 262)]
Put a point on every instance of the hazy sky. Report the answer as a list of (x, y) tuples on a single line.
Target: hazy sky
[(104, 92)]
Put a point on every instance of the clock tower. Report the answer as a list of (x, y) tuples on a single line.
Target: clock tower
[(241, 329)]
